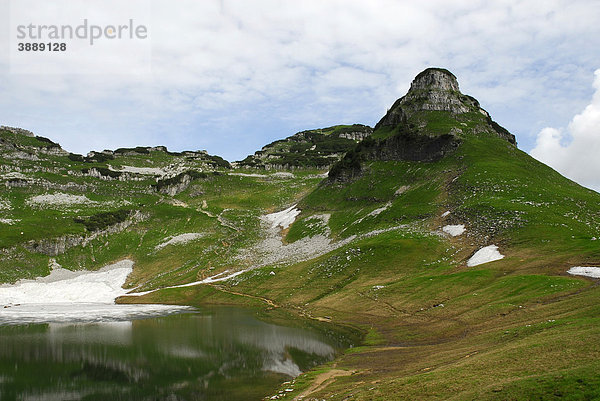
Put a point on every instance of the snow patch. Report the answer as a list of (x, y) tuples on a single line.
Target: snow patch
[(179, 240), (378, 211), (272, 250), (283, 219), (588, 271), (59, 199), (10, 222), (223, 276), (65, 286), (67, 296), (454, 230), (486, 254), (446, 213)]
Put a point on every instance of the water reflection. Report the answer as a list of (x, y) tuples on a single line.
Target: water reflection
[(222, 354), (81, 312), (93, 333)]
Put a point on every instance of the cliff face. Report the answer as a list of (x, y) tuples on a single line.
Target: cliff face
[(59, 245)]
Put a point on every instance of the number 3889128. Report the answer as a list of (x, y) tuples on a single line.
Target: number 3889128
[(42, 47)]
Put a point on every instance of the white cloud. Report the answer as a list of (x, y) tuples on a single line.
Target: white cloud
[(224, 70), (575, 151)]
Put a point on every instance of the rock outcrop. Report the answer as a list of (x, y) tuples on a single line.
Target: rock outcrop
[(59, 245), (436, 89), (177, 186), (318, 148), (426, 124), (19, 131)]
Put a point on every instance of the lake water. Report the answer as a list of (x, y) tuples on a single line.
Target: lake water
[(211, 354)]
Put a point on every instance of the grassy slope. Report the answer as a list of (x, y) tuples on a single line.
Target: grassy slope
[(317, 148), (518, 328), (512, 329)]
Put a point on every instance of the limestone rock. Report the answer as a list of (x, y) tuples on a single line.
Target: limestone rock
[(436, 89), (19, 131)]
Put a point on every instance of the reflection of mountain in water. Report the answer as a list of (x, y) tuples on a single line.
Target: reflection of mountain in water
[(238, 339), (179, 354), (277, 341)]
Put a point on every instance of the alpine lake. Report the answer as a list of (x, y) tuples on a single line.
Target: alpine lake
[(216, 353)]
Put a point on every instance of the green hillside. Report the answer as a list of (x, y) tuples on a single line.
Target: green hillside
[(317, 148), (368, 245)]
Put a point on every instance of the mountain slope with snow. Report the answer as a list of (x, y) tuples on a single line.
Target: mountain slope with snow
[(435, 235)]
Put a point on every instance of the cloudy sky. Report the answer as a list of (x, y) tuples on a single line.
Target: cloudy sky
[(231, 76)]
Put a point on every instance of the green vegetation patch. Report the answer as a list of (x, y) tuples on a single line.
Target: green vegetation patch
[(104, 220), (179, 178)]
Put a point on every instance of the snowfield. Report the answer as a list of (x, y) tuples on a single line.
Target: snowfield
[(67, 296), (588, 271), (65, 286), (283, 219), (179, 240), (454, 230), (484, 255)]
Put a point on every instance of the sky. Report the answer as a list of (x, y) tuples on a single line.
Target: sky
[(232, 76)]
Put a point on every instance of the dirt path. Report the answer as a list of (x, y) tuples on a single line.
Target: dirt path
[(322, 381), (265, 300), (219, 218)]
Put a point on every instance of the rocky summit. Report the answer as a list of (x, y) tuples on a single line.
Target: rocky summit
[(436, 89), (464, 268)]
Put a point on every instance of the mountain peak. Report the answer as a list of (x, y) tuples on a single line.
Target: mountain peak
[(435, 79), (434, 89), (437, 90)]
